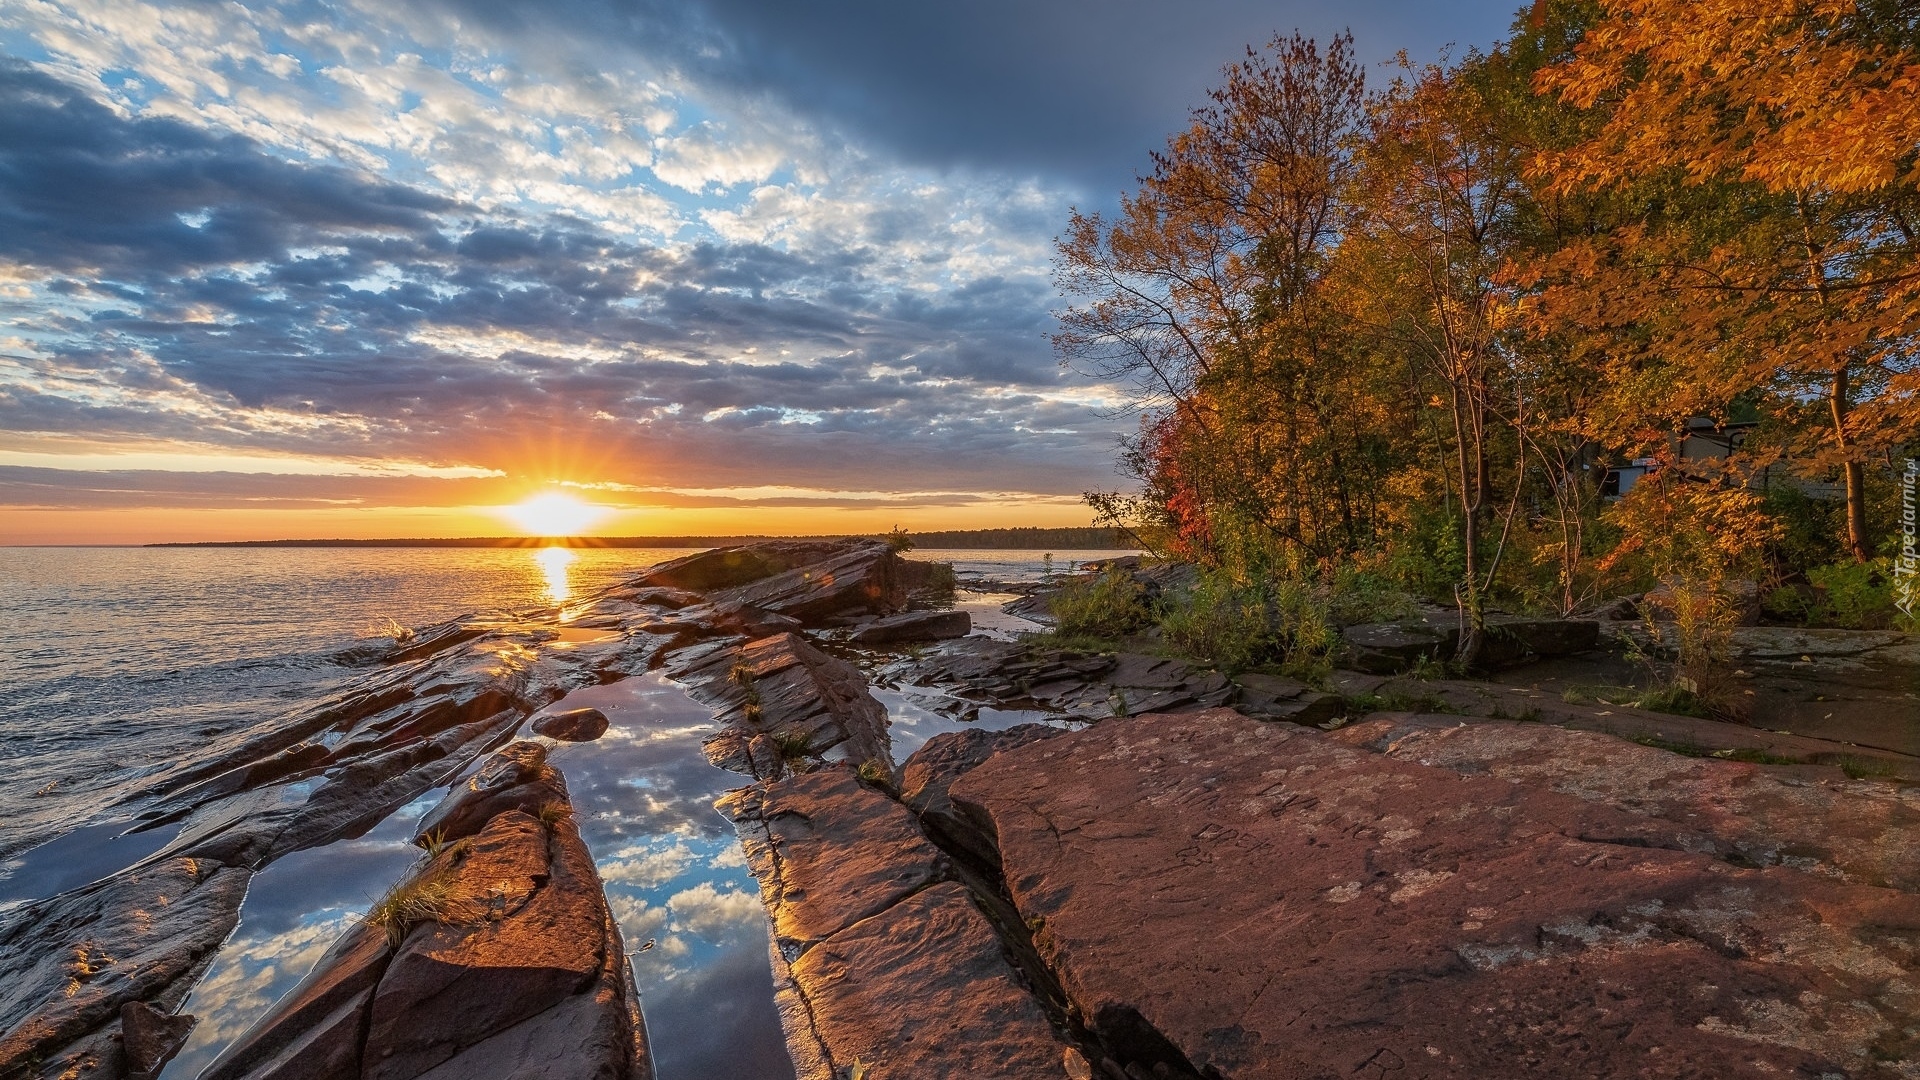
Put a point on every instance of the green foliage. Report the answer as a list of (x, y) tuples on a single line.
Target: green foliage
[(1106, 607), (1849, 595), (941, 580), (1220, 623), (898, 540), (1269, 621)]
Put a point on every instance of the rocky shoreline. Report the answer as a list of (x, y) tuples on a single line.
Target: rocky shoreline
[(1197, 876)]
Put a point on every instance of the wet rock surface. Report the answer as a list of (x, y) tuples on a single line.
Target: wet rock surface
[(573, 725), (914, 626), (1264, 901), (74, 961), (881, 959), (441, 698), (496, 957)]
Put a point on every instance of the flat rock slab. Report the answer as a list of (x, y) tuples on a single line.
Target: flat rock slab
[(72, 962), (828, 851), (915, 626), (1811, 818), (879, 959), (1266, 902), (922, 991), (946, 757)]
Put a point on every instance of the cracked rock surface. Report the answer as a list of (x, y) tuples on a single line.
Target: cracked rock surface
[(1254, 900)]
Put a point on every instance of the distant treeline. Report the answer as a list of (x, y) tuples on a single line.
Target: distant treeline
[(1036, 539)]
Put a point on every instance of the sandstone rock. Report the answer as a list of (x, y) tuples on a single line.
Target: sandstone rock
[(74, 960), (857, 579), (150, 1037), (1810, 818), (784, 687), (573, 725), (915, 626), (946, 757), (922, 991), (1263, 901), (509, 963), (726, 568), (516, 778), (828, 852), (314, 1031), (524, 930)]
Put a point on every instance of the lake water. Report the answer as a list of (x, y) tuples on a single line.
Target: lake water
[(120, 660)]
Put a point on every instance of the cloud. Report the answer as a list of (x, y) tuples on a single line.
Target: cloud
[(715, 914), (670, 247)]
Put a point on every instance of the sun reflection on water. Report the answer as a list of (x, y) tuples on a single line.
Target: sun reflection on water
[(553, 563)]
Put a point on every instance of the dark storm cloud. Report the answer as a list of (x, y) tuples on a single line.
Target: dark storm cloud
[(1080, 90), (81, 187)]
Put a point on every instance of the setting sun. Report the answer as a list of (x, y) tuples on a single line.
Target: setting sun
[(554, 514)]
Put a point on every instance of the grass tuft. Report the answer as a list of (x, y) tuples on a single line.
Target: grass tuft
[(423, 898)]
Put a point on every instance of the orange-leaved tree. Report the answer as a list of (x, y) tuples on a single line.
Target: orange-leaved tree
[(1796, 277)]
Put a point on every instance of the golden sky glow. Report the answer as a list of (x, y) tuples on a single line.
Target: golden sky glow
[(555, 513), (165, 525)]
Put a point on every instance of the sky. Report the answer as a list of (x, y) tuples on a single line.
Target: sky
[(347, 268)]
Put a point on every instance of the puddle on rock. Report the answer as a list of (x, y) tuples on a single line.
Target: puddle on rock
[(643, 794), (76, 858), (918, 713), (295, 909)]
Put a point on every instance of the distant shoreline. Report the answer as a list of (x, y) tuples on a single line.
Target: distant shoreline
[(985, 539)]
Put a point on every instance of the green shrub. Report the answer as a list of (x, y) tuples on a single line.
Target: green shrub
[(1235, 626), (1220, 623), (1106, 607)]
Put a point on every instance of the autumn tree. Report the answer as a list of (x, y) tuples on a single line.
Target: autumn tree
[(1444, 204), (1801, 119), (1207, 296)]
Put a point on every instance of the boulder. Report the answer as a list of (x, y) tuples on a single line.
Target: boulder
[(1261, 901), (859, 579), (730, 567), (1268, 697), (1389, 648), (516, 778), (915, 626), (149, 1037), (573, 725)]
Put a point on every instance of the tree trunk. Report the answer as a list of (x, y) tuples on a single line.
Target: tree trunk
[(1856, 475)]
